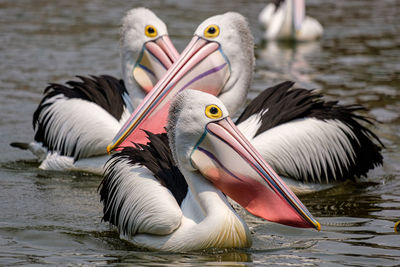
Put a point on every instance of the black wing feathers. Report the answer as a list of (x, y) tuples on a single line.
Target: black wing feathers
[(105, 91), (155, 156), (282, 103)]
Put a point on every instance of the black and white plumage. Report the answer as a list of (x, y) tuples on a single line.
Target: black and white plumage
[(75, 122), (157, 158), (57, 119), (142, 194), (170, 193), (306, 139), (309, 139)]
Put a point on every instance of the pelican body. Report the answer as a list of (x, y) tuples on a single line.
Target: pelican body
[(170, 196), (305, 138), (310, 139), (75, 122), (286, 20)]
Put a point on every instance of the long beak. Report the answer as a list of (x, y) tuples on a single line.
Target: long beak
[(154, 61), (201, 66), (225, 157)]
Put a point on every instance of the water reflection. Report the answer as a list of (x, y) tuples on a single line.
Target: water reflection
[(350, 199), (228, 257), (288, 60)]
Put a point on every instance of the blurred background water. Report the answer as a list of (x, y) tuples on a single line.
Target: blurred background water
[(55, 218)]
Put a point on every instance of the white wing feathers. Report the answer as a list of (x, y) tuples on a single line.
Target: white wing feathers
[(139, 203)]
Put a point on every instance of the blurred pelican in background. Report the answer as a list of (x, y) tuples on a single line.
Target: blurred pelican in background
[(286, 20)]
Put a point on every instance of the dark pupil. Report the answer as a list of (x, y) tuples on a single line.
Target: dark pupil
[(211, 30), (213, 110), (150, 30)]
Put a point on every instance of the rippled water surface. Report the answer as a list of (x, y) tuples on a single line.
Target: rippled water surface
[(55, 218)]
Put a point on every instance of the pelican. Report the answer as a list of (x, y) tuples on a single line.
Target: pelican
[(75, 122), (310, 141), (286, 20), (158, 205)]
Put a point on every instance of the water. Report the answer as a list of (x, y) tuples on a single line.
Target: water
[(55, 218)]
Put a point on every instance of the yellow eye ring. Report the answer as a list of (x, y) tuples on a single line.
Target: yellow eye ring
[(150, 31), (211, 31), (213, 112)]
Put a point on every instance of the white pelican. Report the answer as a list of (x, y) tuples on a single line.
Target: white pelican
[(286, 20), (302, 136), (75, 122), (160, 206)]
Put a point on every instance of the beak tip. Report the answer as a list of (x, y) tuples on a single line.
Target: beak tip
[(109, 149), (318, 226)]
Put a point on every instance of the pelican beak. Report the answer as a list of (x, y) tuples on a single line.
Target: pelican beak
[(202, 66), (153, 62), (225, 157)]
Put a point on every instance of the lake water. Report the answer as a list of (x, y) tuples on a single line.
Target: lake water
[(55, 218)]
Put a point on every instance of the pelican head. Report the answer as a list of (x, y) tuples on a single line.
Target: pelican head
[(147, 51), (232, 33), (204, 139), (219, 60)]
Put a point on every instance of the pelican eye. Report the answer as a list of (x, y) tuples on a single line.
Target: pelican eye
[(211, 31), (213, 112), (150, 31)]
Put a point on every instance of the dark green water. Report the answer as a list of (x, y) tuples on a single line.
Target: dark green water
[(55, 218)]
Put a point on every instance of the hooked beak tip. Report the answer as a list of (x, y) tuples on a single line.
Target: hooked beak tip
[(318, 226), (109, 149)]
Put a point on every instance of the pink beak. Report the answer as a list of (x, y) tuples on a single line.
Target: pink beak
[(225, 157), (154, 61)]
